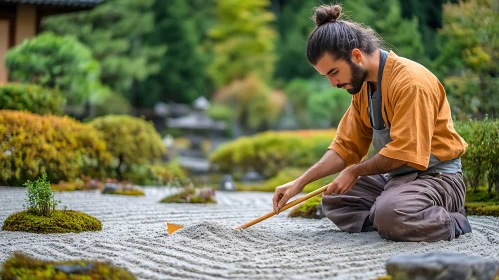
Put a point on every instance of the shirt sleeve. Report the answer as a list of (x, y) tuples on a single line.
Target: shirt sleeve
[(413, 124), (353, 137)]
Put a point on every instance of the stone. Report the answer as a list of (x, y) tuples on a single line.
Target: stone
[(440, 266), (227, 183), (75, 269), (110, 188)]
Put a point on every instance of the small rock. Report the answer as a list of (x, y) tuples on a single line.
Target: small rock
[(77, 269), (440, 266), (227, 183), (110, 188)]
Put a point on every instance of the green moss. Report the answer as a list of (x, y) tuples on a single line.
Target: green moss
[(22, 267), (135, 192), (59, 221), (482, 209), (192, 195), (307, 209), (387, 277)]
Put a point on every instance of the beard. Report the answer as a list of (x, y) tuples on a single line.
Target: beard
[(358, 78)]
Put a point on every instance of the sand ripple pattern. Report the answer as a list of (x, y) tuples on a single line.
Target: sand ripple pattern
[(134, 236)]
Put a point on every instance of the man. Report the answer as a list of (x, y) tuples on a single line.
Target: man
[(412, 189)]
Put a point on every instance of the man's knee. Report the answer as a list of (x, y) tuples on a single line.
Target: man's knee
[(390, 220)]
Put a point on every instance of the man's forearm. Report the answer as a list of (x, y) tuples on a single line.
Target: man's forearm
[(330, 163), (378, 164)]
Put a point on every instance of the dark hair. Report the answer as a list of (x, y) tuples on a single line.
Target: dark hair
[(338, 37)]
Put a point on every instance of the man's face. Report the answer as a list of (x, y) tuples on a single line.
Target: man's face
[(342, 73)]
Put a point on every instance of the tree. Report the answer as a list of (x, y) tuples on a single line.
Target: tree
[(294, 26), (469, 56), (182, 26), (242, 42), (293, 17), (430, 18), (115, 32), (60, 63), (384, 16), (256, 106)]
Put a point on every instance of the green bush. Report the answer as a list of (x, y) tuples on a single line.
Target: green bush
[(130, 140), (57, 62), (22, 267), (40, 196), (114, 104), (31, 98), (270, 152), (481, 209), (60, 146), (156, 174), (481, 160)]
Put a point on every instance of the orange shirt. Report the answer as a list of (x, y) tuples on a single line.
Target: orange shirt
[(416, 110)]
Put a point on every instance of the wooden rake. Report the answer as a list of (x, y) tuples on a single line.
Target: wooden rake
[(174, 227)]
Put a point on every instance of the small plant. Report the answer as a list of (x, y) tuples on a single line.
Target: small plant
[(40, 196)]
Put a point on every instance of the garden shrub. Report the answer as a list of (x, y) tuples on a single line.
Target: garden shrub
[(31, 98), (114, 104), (156, 174), (130, 140), (481, 160), (60, 146), (60, 63), (269, 152), (192, 195), (23, 267), (482, 209)]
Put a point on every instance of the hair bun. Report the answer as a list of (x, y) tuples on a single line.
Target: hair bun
[(327, 13)]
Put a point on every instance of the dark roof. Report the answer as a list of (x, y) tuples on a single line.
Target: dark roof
[(73, 3)]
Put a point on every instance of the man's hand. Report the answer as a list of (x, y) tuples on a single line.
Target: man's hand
[(343, 183), (283, 193)]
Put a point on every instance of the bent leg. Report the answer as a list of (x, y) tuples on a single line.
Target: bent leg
[(350, 211), (426, 209)]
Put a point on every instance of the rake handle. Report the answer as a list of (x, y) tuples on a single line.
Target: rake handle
[(291, 204)]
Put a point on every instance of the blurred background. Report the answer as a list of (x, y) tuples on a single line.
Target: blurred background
[(151, 90)]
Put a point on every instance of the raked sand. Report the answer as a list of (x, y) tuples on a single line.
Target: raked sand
[(134, 236)]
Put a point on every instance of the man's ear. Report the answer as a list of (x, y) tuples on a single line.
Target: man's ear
[(356, 56)]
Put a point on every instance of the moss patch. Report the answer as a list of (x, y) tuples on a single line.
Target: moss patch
[(482, 209), (135, 192), (192, 195), (307, 209), (22, 267), (59, 221)]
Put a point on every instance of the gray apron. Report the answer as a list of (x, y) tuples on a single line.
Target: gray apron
[(381, 133)]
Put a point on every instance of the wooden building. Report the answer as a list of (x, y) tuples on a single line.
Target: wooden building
[(20, 20)]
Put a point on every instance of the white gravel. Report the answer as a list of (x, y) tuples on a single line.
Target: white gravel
[(134, 236)]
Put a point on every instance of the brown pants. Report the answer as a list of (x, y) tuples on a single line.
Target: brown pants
[(404, 208)]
